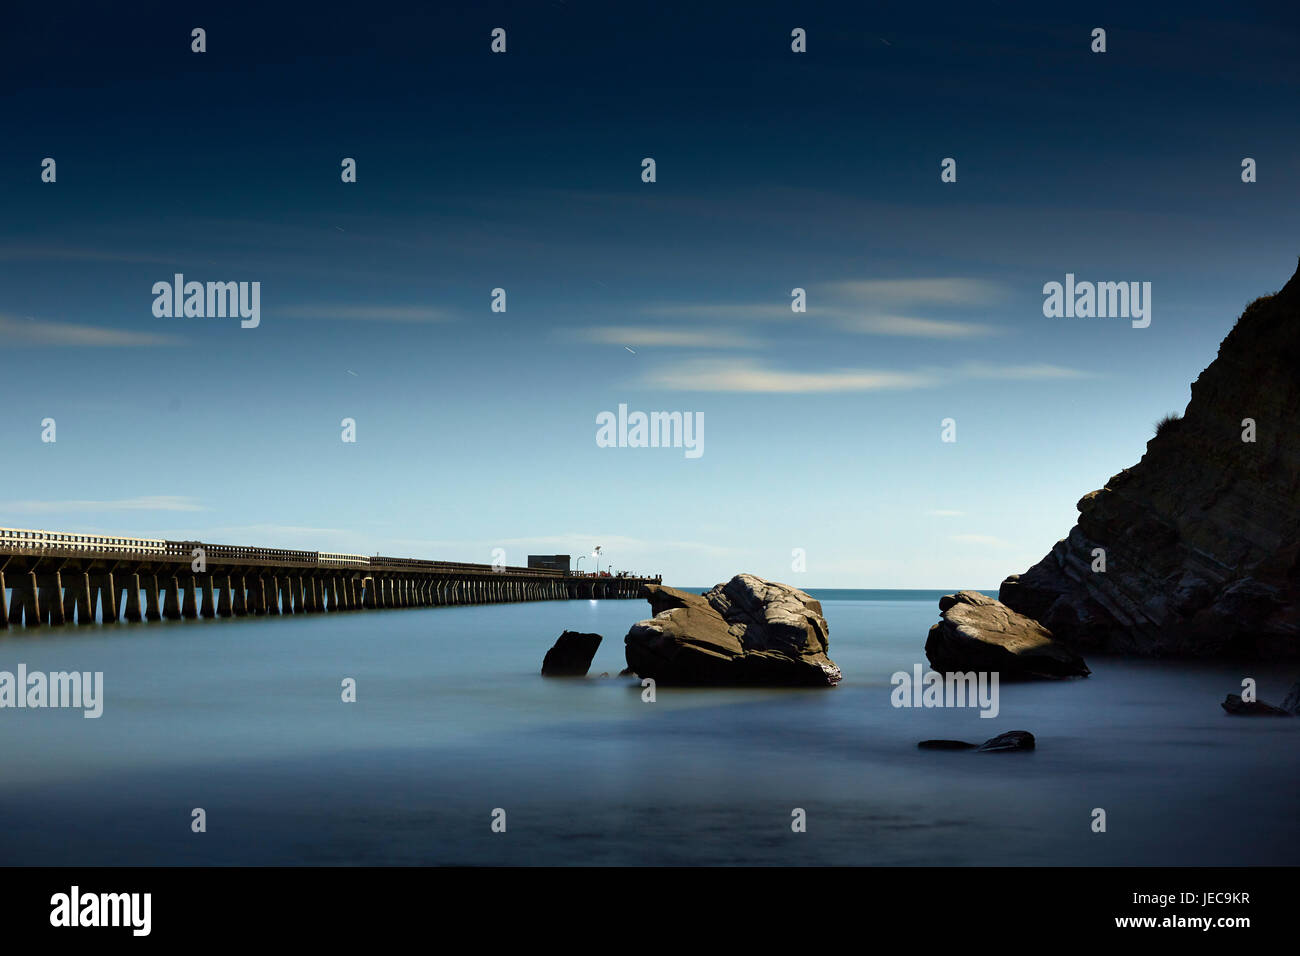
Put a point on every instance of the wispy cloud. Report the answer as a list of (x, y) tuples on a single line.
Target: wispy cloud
[(652, 336), (745, 375), (888, 306), (909, 326), (731, 311), (143, 503), (866, 306), (934, 291), (29, 331), (709, 375), (367, 313)]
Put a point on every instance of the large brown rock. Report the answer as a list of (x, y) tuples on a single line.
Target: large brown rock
[(1202, 536), (978, 633), (747, 631)]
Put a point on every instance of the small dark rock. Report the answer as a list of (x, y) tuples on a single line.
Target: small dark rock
[(571, 656), (627, 672), (1011, 740), (1234, 705)]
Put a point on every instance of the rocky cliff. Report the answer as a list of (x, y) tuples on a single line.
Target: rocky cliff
[(1202, 536)]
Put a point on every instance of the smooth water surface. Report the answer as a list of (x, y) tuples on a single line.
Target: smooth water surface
[(244, 719)]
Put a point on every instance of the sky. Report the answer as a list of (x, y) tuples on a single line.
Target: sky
[(774, 170)]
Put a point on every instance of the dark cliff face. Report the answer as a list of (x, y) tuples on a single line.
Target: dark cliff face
[(1202, 536)]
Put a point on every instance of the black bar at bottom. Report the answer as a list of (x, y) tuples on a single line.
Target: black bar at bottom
[(334, 906)]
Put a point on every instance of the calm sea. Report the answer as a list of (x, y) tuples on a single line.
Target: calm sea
[(243, 718)]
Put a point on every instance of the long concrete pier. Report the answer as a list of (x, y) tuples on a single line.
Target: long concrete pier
[(53, 578)]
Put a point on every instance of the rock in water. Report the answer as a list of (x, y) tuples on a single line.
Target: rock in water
[(746, 632), (978, 633), (1011, 740), (945, 745), (1291, 703), (1002, 743), (571, 656), (1234, 705), (1202, 536)]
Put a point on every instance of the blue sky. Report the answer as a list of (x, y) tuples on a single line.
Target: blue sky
[(476, 430)]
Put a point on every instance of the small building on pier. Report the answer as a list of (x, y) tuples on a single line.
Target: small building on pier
[(550, 562)]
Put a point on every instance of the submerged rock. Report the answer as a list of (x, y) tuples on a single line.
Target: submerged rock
[(945, 745), (748, 631), (1002, 743), (571, 656), (1201, 538), (978, 633), (1011, 740), (1234, 705)]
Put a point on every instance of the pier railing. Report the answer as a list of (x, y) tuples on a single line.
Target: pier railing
[(51, 577)]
